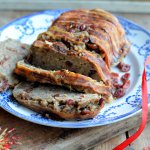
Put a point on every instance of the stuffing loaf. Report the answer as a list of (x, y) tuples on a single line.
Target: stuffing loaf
[(77, 52), (56, 56), (11, 51), (104, 34), (87, 46), (64, 103), (71, 80)]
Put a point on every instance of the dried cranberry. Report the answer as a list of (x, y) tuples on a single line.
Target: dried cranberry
[(114, 79), (119, 93), (83, 27), (114, 75), (92, 26), (69, 64), (125, 77), (123, 67), (85, 112), (92, 46), (100, 101), (117, 85), (126, 85), (120, 65), (70, 102)]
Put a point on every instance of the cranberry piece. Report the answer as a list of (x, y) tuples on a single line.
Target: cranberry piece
[(117, 85), (120, 65), (114, 75), (123, 67), (119, 93), (70, 102), (125, 77), (69, 64), (100, 101), (126, 85), (83, 27), (92, 46), (114, 81), (85, 112), (92, 26)]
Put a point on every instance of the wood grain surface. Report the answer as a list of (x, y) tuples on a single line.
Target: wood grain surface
[(134, 6), (37, 137)]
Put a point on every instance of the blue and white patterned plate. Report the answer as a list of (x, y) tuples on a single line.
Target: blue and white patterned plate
[(26, 30)]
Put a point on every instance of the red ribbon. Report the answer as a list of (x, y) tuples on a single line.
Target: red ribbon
[(144, 111)]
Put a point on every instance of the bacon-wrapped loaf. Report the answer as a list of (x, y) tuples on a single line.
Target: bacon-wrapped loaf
[(77, 51), (94, 36), (103, 33)]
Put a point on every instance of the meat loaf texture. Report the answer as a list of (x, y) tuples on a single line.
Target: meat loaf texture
[(56, 56), (64, 103), (64, 78), (11, 51)]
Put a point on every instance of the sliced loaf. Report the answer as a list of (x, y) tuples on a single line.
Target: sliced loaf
[(65, 78), (61, 102), (11, 51), (56, 56)]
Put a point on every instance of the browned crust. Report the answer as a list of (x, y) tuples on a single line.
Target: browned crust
[(63, 78)]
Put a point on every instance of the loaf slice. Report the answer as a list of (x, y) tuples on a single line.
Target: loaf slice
[(56, 56), (65, 78), (66, 104), (11, 51)]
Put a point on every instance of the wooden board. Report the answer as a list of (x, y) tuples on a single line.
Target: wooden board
[(110, 144), (114, 6), (143, 141), (35, 136)]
